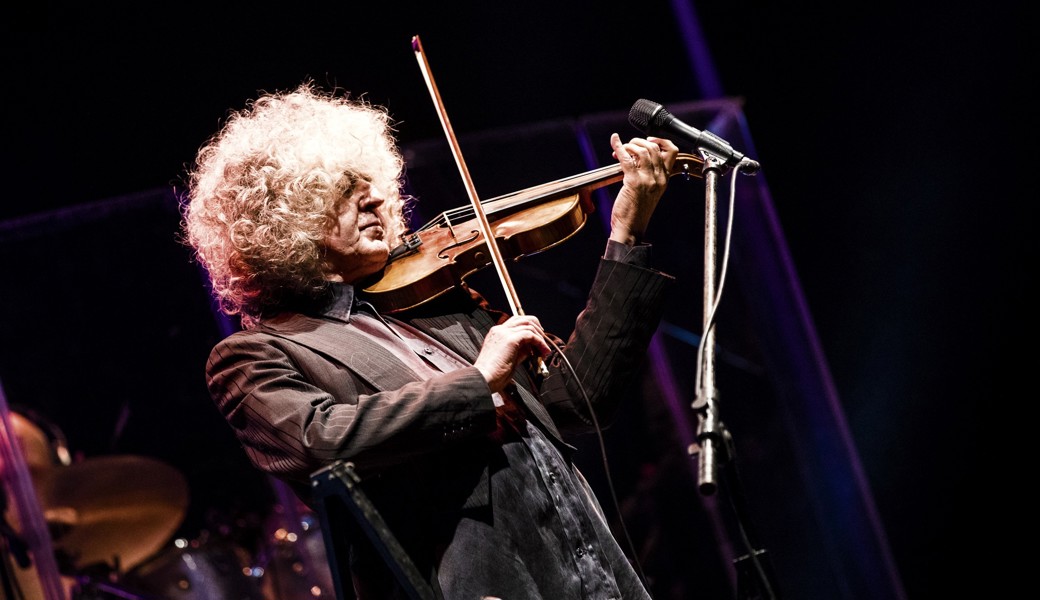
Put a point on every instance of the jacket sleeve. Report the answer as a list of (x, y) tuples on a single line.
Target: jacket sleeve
[(294, 410), (607, 347)]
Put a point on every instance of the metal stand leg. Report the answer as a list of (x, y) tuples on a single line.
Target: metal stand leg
[(335, 488)]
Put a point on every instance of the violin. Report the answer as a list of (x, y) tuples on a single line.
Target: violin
[(441, 254)]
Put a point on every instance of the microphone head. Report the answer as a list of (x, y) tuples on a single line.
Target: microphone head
[(647, 116)]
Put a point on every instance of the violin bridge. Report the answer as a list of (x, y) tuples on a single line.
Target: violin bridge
[(450, 227)]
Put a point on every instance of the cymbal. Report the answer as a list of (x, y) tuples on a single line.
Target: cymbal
[(117, 510)]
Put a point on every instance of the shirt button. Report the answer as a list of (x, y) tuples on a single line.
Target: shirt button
[(579, 551), (427, 350), (552, 476)]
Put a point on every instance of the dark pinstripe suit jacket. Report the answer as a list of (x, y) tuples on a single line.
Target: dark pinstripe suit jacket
[(301, 391)]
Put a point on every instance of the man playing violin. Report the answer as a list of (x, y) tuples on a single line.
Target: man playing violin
[(461, 447)]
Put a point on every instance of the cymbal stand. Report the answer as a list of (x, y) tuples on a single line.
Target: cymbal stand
[(14, 475), (90, 588)]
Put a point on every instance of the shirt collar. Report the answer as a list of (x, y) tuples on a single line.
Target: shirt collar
[(341, 305)]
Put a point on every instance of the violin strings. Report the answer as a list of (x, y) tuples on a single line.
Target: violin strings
[(464, 213)]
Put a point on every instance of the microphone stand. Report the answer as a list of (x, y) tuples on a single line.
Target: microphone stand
[(709, 426), (714, 442)]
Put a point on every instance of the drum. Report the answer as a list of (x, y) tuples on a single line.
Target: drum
[(295, 563), (213, 570)]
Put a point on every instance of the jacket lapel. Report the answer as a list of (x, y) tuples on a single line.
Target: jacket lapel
[(369, 360)]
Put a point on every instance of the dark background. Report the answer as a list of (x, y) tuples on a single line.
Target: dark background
[(884, 135)]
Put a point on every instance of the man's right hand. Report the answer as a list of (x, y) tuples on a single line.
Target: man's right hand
[(506, 346)]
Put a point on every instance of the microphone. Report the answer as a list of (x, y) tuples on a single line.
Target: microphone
[(652, 119)]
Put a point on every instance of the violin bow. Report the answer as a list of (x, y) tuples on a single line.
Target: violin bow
[(478, 208)]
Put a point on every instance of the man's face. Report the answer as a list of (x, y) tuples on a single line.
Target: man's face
[(355, 246)]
